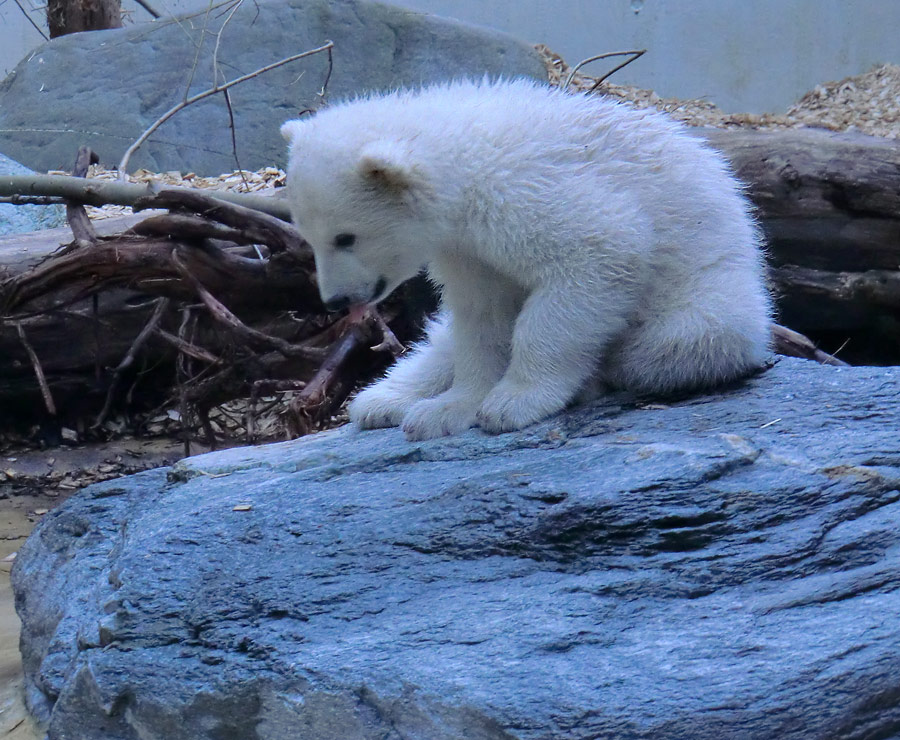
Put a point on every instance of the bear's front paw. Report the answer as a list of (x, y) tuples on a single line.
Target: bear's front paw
[(438, 417), (508, 408), (379, 406)]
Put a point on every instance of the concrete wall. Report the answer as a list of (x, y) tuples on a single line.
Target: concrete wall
[(745, 55)]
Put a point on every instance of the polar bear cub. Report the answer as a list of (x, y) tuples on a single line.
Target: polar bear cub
[(578, 244)]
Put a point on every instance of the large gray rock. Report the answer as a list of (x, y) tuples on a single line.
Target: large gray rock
[(21, 219), (105, 88), (726, 566)]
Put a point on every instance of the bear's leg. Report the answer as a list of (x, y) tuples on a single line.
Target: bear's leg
[(558, 338), (694, 347), (484, 309), (424, 372)]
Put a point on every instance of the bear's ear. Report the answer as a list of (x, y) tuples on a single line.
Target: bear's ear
[(289, 129), (387, 166)]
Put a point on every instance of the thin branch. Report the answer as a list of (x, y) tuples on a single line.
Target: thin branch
[(319, 398), (183, 371), (185, 347), (260, 227), (601, 80), (389, 340), (123, 164), (215, 57), (197, 49), (233, 130), (321, 92), (149, 8), (187, 228), (38, 370), (635, 54), (161, 305), (31, 21)]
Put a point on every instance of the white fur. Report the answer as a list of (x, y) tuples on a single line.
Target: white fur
[(578, 243)]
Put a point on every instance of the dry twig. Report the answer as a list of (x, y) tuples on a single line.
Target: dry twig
[(635, 54), (123, 163), (389, 341), (183, 373), (793, 344), (161, 305), (38, 370), (189, 349), (149, 8), (261, 228), (320, 398), (31, 20)]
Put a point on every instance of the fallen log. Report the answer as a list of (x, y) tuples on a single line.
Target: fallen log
[(827, 201), (829, 204), (104, 192)]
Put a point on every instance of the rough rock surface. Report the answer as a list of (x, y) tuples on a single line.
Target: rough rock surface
[(724, 566), (105, 88), (21, 219)]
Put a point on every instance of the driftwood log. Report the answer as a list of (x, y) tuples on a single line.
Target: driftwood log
[(829, 204), (830, 207)]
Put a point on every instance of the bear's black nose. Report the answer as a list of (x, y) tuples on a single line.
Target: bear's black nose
[(338, 303)]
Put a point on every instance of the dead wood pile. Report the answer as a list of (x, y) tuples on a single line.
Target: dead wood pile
[(86, 324)]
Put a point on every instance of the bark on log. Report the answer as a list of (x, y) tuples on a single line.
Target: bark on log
[(829, 204), (827, 201)]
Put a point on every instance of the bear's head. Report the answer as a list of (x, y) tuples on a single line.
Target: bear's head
[(362, 206)]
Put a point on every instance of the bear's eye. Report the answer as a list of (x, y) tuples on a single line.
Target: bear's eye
[(342, 241)]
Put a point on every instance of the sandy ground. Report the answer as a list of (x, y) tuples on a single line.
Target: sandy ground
[(22, 503), (16, 521)]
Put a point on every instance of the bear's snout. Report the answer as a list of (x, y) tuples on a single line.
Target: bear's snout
[(342, 301), (337, 304)]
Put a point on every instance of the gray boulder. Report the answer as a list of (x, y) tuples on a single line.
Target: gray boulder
[(21, 219), (723, 566), (105, 88)]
